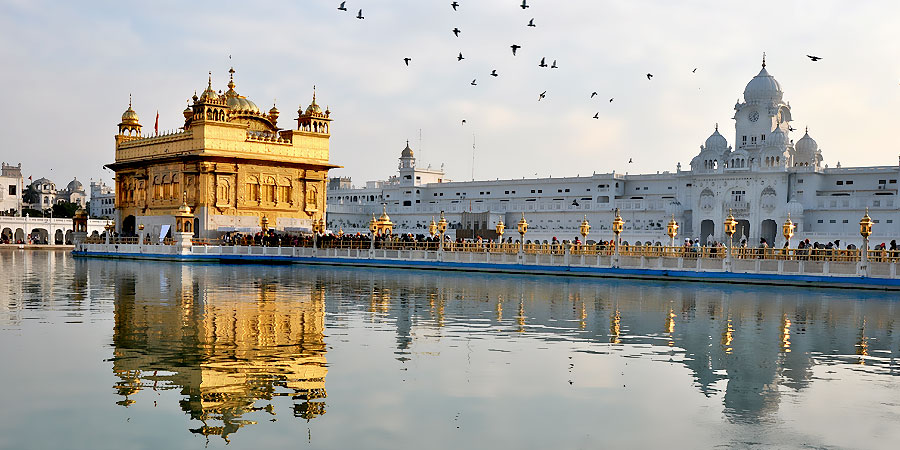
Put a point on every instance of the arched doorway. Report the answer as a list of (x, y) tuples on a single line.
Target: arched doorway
[(742, 231), (58, 237), (707, 231), (6, 236), (768, 229), (39, 236), (197, 228), (19, 236), (69, 240), (128, 226)]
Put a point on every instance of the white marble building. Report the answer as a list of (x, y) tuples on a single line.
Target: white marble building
[(761, 177), (11, 187), (103, 200)]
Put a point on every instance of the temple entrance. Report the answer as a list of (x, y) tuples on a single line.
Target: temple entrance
[(128, 226), (6, 236), (58, 237), (742, 231), (707, 231), (768, 230)]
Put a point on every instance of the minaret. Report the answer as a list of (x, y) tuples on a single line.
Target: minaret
[(130, 124), (407, 166)]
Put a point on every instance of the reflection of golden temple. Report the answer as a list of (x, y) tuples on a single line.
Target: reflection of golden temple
[(225, 350), (583, 323), (670, 326), (862, 344), (520, 319), (500, 308), (615, 322)]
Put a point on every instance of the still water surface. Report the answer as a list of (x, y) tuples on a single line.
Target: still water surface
[(126, 354)]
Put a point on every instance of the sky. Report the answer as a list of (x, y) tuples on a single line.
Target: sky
[(69, 67)]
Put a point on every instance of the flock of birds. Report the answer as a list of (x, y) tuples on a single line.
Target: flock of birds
[(515, 47)]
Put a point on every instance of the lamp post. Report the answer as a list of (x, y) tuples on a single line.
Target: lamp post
[(672, 231), (730, 226), (523, 228), (618, 226), (865, 230), (442, 228), (373, 227), (788, 231), (500, 228), (584, 229)]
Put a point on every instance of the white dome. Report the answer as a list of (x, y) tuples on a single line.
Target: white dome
[(777, 137), (763, 87), (716, 141), (806, 146), (794, 208)]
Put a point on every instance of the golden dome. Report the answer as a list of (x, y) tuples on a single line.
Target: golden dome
[(407, 152), (209, 94), (313, 107), (188, 112), (129, 117), (237, 102)]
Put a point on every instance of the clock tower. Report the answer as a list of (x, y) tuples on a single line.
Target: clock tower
[(762, 111)]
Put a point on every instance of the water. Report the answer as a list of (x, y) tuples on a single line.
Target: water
[(127, 354)]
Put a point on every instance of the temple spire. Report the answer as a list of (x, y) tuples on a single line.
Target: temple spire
[(764, 60)]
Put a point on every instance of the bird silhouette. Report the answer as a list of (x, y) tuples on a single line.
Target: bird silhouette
[(694, 71), (790, 128), (593, 94), (597, 116), (494, 73), (524, 4), (630, 161), (814, 58), (454, 5), (531, 23), (464, 121), (543, 94), (515, 47), (456, 32), (473, 83), (554, 66), (407, 60), (342, 7), (649, 76), (360, 16), (543, 63), (460, 57), (611, 99)]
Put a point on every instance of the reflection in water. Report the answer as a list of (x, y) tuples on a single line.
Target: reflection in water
[(235, 344), (228, 351)]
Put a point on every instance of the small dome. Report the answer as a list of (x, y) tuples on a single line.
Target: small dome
[(777, 137), (313, 108), (240, 103), (188, 112), (716, 141), (75, 186), (806, 145), (42, 181), (763, 87), (209, 95), (794, 208), (273, 111), (129, 117), (407, 152)]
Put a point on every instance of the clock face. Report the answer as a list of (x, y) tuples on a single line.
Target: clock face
[(754, 116)]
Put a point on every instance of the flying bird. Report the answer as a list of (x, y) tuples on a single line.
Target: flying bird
[(360, 16), (630, 161), (543, 63), (460, 57), (593, 94), (342, 7), (464, 121), (531, 23), (515, 47), (494, 73), (649, 76), (610, 100), (473, 83), (456, 32), (814, 58), (790, 128), (554, 66), (524, 4), (454, 5), (694, 71), (407, 60), (597, 116), (543, 94)]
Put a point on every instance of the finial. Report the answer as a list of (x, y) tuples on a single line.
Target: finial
[(184, 198), (231, 78), (717, 126), (314, 94), (407, 143), (806, 130), (129, 100), (764, 60)]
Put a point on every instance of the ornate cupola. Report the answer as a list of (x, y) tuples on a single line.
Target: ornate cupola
[(210, 106), (273, 115), (313, 120), (130, 124)]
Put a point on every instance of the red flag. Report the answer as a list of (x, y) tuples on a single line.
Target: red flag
[(156, 125)]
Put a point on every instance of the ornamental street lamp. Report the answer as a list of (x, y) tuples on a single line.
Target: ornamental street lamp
[(788, 230), (264, 224), (432, 228), (385, 226), (730, 227), (442, 228), (618, 226), (523, 228), (373, 227), (865, 230), (672, 231), (500, 228), (585, 229)]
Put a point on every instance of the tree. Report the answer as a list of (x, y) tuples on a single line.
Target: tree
[(65, 209)]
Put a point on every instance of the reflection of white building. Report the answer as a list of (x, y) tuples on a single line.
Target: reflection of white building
[(11, 186), (103, 200), (762, 177)]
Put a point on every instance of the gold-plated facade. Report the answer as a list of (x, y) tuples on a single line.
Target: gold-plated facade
[(233, 163)]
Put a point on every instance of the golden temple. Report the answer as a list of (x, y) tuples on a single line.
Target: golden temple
[(231, 162)]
